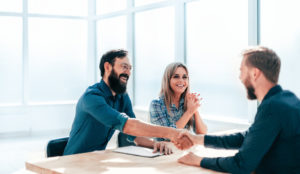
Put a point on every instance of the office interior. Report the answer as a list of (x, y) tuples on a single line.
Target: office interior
[(50, 52)]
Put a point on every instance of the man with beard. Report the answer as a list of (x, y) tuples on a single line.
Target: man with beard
[(272, 142), (106, 107)]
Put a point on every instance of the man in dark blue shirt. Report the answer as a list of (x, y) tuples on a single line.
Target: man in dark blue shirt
[(106, 107), (272, 142)]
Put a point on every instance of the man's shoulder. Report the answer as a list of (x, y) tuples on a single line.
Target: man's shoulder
[(284, 98), (284, 102), (94, 90)]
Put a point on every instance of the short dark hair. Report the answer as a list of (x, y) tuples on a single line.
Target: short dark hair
[(110, 57), (265, 60)]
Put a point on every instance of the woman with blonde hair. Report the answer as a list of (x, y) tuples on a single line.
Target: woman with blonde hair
[(176, 106)]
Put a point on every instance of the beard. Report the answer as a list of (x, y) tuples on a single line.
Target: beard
[(250, 90), (115, 83)]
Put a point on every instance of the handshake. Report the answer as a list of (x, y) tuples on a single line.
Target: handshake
[(185, 140)]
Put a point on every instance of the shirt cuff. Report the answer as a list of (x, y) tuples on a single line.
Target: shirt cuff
[(123, 119), (209, 163), (131, 138), (209, 140)]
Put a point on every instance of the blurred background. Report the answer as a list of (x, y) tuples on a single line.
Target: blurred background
[(50, 52)]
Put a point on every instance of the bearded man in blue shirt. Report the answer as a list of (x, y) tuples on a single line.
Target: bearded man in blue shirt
[(106, 107), (272, 142)]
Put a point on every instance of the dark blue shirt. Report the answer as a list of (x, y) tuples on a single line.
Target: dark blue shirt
[(98, 115), (270, 145)]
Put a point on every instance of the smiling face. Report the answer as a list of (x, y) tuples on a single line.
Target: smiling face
[(179, 81), (119, 75)]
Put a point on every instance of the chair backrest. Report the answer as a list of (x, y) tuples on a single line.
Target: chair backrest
[(56, 147), (122, 140)]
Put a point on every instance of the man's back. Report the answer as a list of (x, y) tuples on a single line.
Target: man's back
[(284, 154)]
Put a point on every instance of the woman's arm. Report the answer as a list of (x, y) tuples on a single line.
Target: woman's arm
[(201, 127), (184, 119)]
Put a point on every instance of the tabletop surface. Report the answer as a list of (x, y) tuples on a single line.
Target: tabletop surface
[(107, 161)]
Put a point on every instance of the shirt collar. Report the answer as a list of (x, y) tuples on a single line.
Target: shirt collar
[(274, 90), (107, 91), (105, 88), (181, 102)]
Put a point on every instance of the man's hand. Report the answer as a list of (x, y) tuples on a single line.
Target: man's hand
[(195, 139), (190, 159), (183, 142), (162, 147)]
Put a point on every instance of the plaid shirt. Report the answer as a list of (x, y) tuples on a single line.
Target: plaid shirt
[(159, 114)]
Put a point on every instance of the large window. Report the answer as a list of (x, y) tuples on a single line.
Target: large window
[(215, 37), (43, 52), (11, 6), (154, 50), (105, 6), (50, 50), (59, 7), (56, 45), (11, 60), (111, 34), (281, 32)]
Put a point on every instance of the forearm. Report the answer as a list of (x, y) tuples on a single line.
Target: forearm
[(201, 127), (138, 128), (143, 141), (197, 139), (180, 124), (231, 141)]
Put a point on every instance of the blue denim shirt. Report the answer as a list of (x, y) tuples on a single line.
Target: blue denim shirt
[(270, 145), (98, 115)]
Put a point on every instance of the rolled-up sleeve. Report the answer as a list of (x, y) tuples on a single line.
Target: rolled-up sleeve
[(98, 108), (130, 113)]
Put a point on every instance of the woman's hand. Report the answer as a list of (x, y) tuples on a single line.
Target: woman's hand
[(193, 102), (163, 147)]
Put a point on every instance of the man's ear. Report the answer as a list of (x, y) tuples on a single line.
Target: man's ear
[(256, 73), (107, 67)]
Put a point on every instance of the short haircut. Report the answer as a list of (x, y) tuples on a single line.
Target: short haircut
[(110, 57), (265, 60)]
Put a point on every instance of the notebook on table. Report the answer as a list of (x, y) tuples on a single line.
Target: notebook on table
[(137, 151)]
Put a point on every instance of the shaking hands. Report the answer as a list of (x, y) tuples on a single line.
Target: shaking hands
[(186, 140)]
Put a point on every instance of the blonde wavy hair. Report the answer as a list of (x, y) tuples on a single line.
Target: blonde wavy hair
[(167, 91)]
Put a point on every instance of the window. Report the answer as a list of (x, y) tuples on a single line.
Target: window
[(50, 51), (105, 6), (154, 51), (281, 32), (215, 37), (59, 7), (11, 5), (145, 2), (57, 56), (11, 60), (111, 34)]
